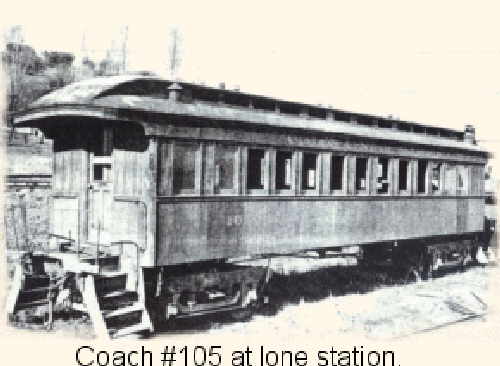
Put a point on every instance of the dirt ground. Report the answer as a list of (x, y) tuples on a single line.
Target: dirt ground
[(386, 312), (345, 301), (349, 302)]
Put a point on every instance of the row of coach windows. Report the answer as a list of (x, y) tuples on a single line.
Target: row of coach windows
[(287, 169)]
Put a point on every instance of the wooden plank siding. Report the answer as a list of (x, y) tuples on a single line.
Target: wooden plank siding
[(205, 223), (210, 226), (69, 182), (135, 190), (203, 230)]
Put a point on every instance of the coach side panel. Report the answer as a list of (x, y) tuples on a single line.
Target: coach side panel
[(224, 199), (199, 230)]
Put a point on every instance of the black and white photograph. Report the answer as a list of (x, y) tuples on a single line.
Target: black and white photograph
[(275, 171)]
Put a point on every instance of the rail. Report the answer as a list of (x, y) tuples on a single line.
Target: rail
[(466, 313)]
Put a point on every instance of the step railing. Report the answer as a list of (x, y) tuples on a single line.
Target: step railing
[(120, 244), (63, 238), (98, 246)]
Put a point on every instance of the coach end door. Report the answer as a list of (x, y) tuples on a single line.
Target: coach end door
[(100, 193)]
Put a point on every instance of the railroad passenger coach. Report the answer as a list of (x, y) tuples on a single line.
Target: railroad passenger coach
[(171, 183)]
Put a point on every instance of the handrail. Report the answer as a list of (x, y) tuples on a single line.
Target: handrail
[(129, 242), (139, 249), (144, 204), (61, 237)]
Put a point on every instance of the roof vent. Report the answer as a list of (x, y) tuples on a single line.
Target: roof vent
[(222, 86), (174, 92), (470, 134)]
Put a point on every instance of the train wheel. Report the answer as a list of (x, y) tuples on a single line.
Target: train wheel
[(242, 314), (248, 303), (463, 260), (428, 266), (474, 251), (413, 275)]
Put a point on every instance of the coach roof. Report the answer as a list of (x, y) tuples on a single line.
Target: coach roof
[(150, 94)]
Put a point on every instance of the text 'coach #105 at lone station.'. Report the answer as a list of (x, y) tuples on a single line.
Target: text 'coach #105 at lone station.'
[(163, 192)]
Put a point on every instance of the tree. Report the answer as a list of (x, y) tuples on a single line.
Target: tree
[(12, 59), (124, 49), (175, 51), (32, 76), (56, 58)]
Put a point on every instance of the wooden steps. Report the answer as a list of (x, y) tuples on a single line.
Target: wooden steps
[(117, 299), (106, 263), (35, 290), (114, 310)]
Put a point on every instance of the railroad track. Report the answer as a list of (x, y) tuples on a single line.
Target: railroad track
[(467, 315)]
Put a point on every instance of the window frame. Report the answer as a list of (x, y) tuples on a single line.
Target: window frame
[(389, 177), (426, 177), (450, 166), (102, 163), (102, 156), (407, 191), (441, 178), (310, 191), (461, 191), (236, 170), (294, 158), (264, 171), (196, 191), (343, 178), (366, 191)]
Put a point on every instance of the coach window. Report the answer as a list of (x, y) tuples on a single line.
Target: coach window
[(361, 175), (474, 183), (383, 176), (337, 173), (187, 169), (450, 179), (309, 171), (436, 178), (404, 176), (422, 176), (102, 172), (256, 166), (102, 157), (463, 180), (284, 170), (226, 174)]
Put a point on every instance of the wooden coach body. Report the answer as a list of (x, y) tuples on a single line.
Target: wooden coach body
[(192, 173)]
